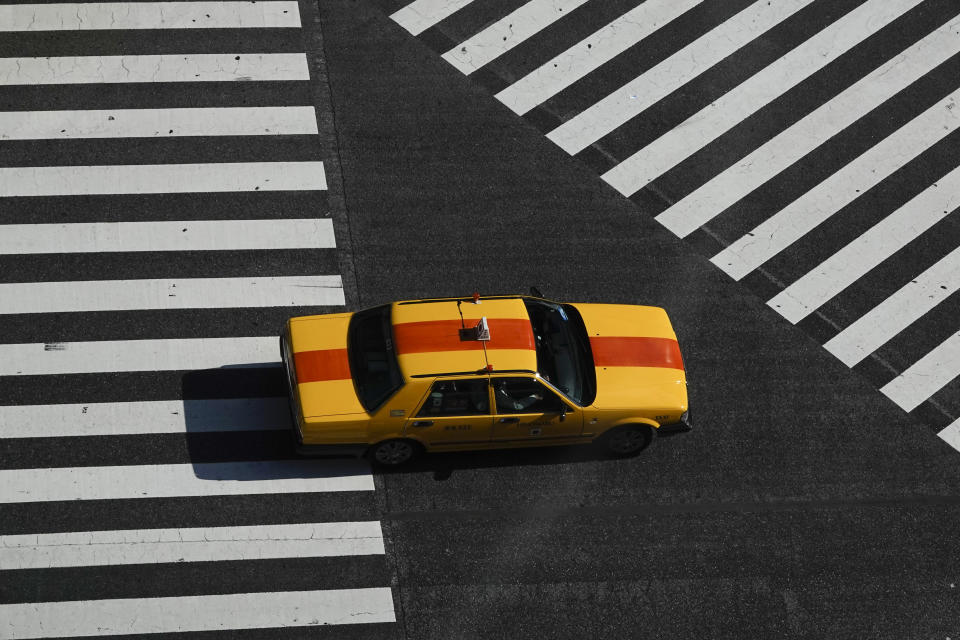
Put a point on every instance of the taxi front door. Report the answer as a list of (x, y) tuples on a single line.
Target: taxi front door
[(455, 412), (528, 410)]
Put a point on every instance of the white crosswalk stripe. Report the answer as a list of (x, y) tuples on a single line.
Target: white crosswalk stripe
[(221, 67), (734, 107), (423, 14), (161, 178), (170, 480), (196, 613), (861, 58), (806, 135), (102, 356), (157, 123), (876, 327), (927, 375), (149, 15), (508, 32), (951, 435), (145, 428), (185, 293), (801, 216), (559, 73), (143, 546), (632, 99), (178, 235), (156, 416), (844, 267)]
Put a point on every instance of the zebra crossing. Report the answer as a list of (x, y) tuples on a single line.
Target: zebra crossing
[(807, 147), (164, 206)]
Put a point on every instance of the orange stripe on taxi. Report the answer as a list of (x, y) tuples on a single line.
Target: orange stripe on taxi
[(636, 352), (444, 335), (324, 364)]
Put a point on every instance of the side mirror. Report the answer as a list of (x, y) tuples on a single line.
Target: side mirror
[(535, 292), (563, 411)]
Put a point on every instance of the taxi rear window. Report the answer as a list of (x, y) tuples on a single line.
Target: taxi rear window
[(373, 362)]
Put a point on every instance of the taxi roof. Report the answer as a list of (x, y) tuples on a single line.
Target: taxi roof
[(428, 340)]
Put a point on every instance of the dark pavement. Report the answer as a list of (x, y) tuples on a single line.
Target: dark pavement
[(804, 503)]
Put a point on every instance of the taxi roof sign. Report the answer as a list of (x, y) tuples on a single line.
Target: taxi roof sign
[(479, 332)]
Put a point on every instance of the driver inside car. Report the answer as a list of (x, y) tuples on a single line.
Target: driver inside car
[(512, 403)]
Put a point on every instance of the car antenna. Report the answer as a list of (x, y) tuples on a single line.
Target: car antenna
[(476, 300)]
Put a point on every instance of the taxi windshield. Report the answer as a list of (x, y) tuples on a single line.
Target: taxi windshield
[(373, 363), (564, 358)]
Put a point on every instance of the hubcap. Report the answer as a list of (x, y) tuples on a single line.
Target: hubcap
[(393, 452), (626, 441)]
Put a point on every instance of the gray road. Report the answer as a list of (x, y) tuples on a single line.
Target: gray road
[(805, 504)]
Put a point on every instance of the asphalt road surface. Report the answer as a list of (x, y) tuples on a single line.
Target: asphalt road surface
[(804, 504), (146, 479)]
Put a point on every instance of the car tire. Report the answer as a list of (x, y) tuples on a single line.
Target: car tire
[(395, 452), (626, 441)]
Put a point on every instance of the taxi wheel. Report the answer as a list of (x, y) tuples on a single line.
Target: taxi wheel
[(393, 453), (627, 441)]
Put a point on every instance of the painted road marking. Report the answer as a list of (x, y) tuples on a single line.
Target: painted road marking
[(419, 16), (804, 214), (170, 293), (200, 67), (878, 243), (508, 32), (759, 90), (151, 546), (896, 313), (196, 613), (137, 355), (926, 376), (725, 189), (162, 178), (149, 15), (557, 74), (183, 480), (177, 235), (160, 416), (951, 435), (629, 101), (157, 123)]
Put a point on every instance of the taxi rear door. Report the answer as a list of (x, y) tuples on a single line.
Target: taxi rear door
[(455, 412), (527, 410)]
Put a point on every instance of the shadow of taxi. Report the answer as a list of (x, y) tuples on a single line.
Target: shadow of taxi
[(240, 416), (443, 464)]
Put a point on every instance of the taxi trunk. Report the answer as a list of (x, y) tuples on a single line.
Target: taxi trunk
[(324, 398)]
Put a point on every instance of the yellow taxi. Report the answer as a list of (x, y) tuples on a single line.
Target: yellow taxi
[(491, 372)]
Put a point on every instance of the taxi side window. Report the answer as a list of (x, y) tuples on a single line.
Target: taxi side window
[(456, 398), (524, 395)]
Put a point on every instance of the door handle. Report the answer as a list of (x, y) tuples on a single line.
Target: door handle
[(509, 420), (423, 423)]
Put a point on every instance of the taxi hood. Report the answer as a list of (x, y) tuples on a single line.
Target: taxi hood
[(315, 354), (636, 357)]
